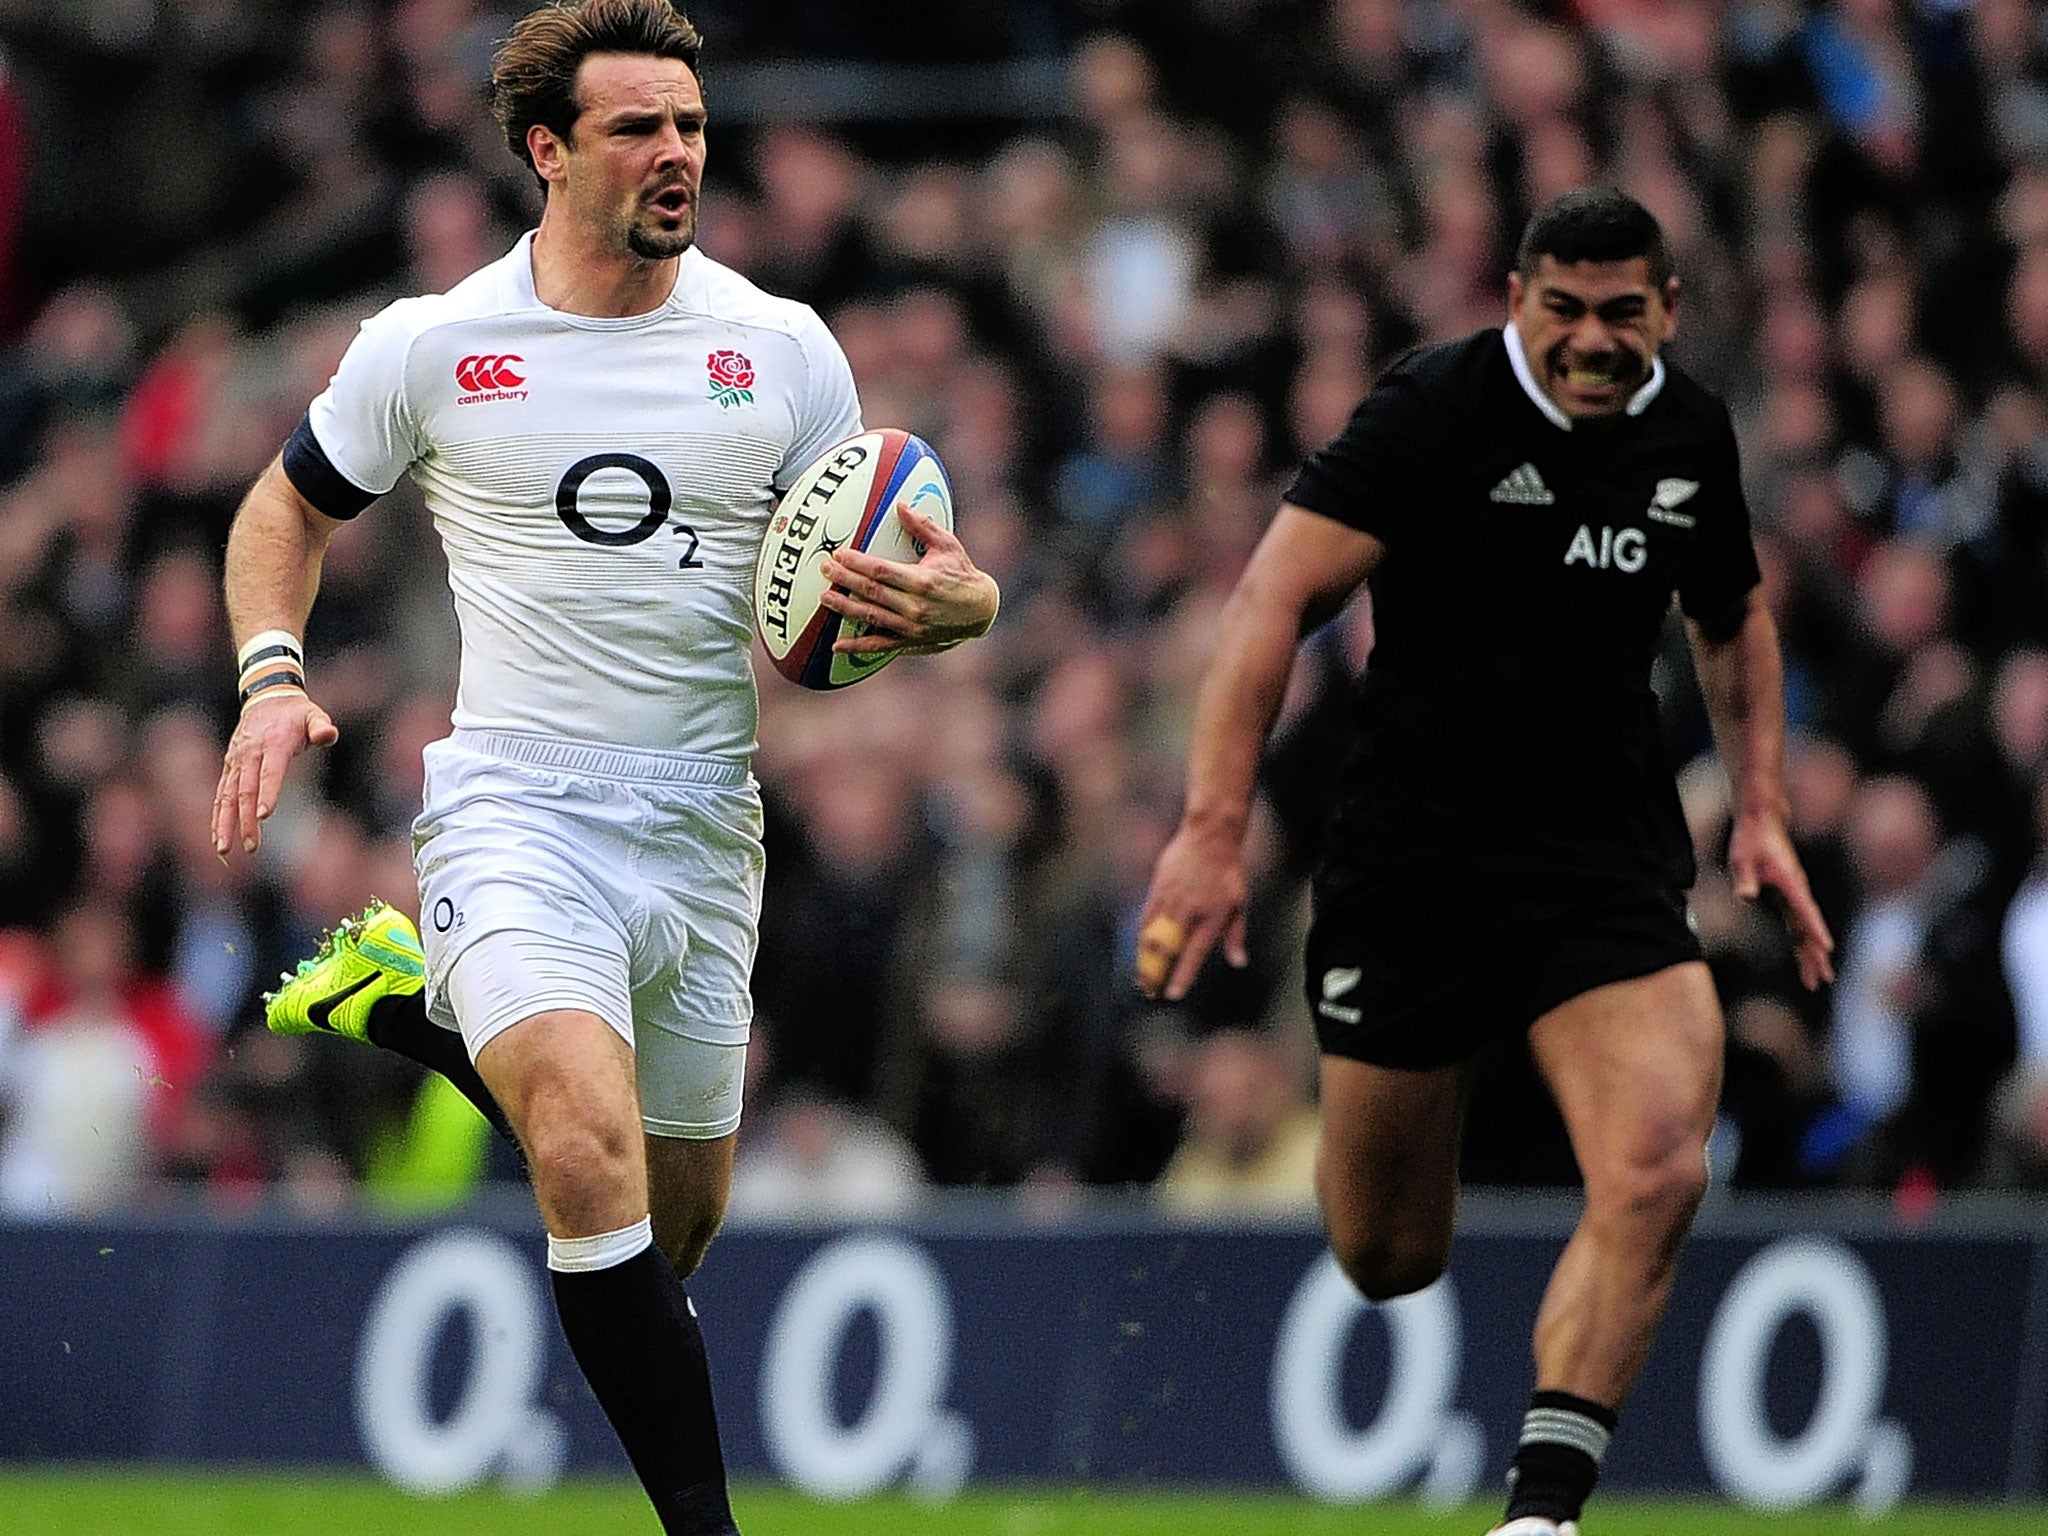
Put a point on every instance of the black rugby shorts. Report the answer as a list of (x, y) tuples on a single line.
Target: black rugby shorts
[(1426, 976)]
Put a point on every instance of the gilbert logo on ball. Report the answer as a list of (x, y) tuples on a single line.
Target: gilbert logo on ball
[(846, 498)]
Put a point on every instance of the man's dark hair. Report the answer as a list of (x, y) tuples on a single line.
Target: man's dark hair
[(1594, 224), (533, 73)]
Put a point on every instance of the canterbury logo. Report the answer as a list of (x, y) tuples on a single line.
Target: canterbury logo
[(1523, 487), (477, 374)]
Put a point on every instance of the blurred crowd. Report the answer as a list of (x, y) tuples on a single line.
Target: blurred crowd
[(1121, 324)]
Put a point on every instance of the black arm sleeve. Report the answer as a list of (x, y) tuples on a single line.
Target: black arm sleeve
[(1724, 567), (314, 476), (1370, 477)]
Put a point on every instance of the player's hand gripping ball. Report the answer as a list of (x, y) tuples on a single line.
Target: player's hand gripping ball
[(845, 499)]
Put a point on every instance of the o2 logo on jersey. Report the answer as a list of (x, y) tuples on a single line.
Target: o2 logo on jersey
[(490, 376), (568, 506)]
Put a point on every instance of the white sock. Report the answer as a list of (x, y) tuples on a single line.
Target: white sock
[(575, 1255)]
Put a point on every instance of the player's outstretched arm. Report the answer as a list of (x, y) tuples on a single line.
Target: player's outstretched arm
[(1304, 569), (1742, 678), (273, 571), (940, 601)]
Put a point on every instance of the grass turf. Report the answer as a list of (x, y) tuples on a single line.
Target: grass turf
[(118, 1503)]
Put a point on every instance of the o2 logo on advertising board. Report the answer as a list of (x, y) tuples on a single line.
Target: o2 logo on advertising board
[(1417, 1439), (1417, 1433), (906, 1430), (495, 1428), (1844, 1441)]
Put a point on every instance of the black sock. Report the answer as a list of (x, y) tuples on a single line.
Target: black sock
[(401, 1024), (1558, 1462), (633, 1331)]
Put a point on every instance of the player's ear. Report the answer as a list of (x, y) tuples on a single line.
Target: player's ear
[(1671, 306), (550, 154), (1514, 290)]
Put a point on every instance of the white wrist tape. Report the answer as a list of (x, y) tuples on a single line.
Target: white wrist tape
[(270, 644)]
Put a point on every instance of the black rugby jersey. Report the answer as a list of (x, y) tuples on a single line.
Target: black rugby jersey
[(1506, 724)]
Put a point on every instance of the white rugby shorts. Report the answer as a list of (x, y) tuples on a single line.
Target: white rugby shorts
[(623, 883)]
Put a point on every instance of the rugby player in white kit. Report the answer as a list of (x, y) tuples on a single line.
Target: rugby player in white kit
[(601, 423)]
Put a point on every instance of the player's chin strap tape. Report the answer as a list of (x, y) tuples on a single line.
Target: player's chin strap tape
[(314, 476)]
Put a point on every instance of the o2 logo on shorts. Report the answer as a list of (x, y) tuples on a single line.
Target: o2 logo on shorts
[(445, 915), (568, 506)]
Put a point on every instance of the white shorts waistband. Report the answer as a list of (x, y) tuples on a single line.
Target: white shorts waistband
[(634, 764)]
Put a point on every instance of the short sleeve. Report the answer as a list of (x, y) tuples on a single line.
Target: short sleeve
[(361, 419), (1723, 567), (1371, 476), (829, 409)]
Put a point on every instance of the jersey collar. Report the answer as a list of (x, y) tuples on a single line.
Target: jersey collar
[(686, 294), (1526, 377)]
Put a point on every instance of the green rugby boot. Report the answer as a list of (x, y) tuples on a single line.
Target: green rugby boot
[(361, 961)]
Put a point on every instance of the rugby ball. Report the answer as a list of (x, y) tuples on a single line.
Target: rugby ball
[(845, 499)]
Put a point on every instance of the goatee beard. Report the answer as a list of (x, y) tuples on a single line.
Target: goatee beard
[(652, 246)]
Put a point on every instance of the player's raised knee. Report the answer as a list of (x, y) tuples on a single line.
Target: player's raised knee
[(1384, 1268)]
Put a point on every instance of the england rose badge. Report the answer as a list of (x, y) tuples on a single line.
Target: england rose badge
[(732, 377)]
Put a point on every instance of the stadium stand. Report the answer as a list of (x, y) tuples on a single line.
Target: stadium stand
[(1122, 286)]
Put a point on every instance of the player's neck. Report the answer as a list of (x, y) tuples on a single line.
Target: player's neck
[(569, 276)]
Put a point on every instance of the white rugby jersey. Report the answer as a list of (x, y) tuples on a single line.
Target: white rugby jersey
[(601, 488)]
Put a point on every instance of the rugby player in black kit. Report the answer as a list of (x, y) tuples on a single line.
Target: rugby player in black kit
[(1508, 852)]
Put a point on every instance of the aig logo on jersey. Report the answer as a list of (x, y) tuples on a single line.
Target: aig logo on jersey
[(491, 376), (1625, 549)]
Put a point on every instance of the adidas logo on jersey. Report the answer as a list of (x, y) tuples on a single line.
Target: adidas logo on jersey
[(1669, 494), (489, 378), (1524, 487)]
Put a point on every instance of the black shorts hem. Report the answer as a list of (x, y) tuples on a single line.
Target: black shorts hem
[(1420, 985)]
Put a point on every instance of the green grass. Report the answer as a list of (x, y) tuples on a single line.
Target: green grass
[(115, 1503)]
